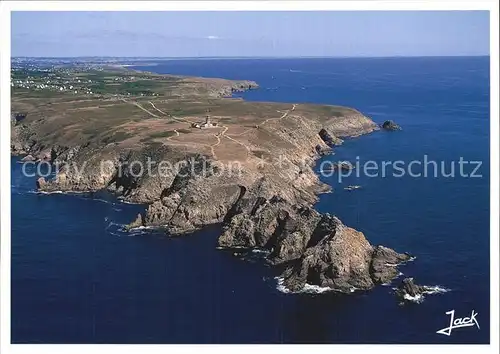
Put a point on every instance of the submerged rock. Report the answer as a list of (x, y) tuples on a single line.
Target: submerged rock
[(390, 125), (352, 188)]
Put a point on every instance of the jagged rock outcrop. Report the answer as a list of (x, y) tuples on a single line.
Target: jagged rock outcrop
[(41, 183), (241, 86), (384, 264), (408, 289), (197, 196), (316, 249), (138, 222), (329, 139), (390, 125)]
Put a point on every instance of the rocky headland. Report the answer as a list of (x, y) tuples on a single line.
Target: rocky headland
[(264, 200)]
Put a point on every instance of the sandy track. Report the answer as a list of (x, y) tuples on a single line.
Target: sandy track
[(182, 120), (141, 107), (218, 136)]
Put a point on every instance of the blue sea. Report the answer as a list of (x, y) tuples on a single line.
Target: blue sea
[(76, 278)]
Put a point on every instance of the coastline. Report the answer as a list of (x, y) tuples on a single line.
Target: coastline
[(265, 206), (444, 223)]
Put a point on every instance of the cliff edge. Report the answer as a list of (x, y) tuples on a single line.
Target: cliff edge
[(198, 159)]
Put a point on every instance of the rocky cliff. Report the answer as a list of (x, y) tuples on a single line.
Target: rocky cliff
[(265, 200)]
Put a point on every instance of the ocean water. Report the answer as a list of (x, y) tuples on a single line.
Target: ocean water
[(77, 279)]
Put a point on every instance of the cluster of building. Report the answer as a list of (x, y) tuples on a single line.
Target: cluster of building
[(52, 82), (30, 84)]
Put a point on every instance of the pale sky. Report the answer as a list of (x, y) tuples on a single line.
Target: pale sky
[(255, 34)]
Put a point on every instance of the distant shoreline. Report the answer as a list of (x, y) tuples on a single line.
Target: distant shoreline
[(249, 58)]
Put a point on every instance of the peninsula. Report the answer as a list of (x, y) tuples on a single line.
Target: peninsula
[(245, 165)]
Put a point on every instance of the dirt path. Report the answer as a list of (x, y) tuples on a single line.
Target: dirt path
[(258, 125), (280, 118), (249, 150), (169, 115), (218, 136), (141, 107)]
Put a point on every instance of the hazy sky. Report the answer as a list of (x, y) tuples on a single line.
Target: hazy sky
[(189, 34)]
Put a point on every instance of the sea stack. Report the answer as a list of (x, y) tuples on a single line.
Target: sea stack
[(390, 125)]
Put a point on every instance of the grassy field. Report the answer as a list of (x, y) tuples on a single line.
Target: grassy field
[(132, 110)]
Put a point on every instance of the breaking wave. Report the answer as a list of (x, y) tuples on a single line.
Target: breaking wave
[(416, 299), (307, 289), (436, 289), (46, 193), (260, 251), (123, 201), (428, 290)]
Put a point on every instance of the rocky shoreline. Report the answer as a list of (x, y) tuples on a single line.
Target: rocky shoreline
[(263, 205)]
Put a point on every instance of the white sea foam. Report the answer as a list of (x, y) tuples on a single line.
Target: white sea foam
[(127, 202), (59, 192), (114, 225), (307, 289), (428, 290), (280, 286), (52, 192), (417, 298), (117, 229), (436, 289), (143, 228), (315, 289), (260, 251), (132, 233)]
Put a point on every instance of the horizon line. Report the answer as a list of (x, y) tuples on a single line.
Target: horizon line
[(247, 57)]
